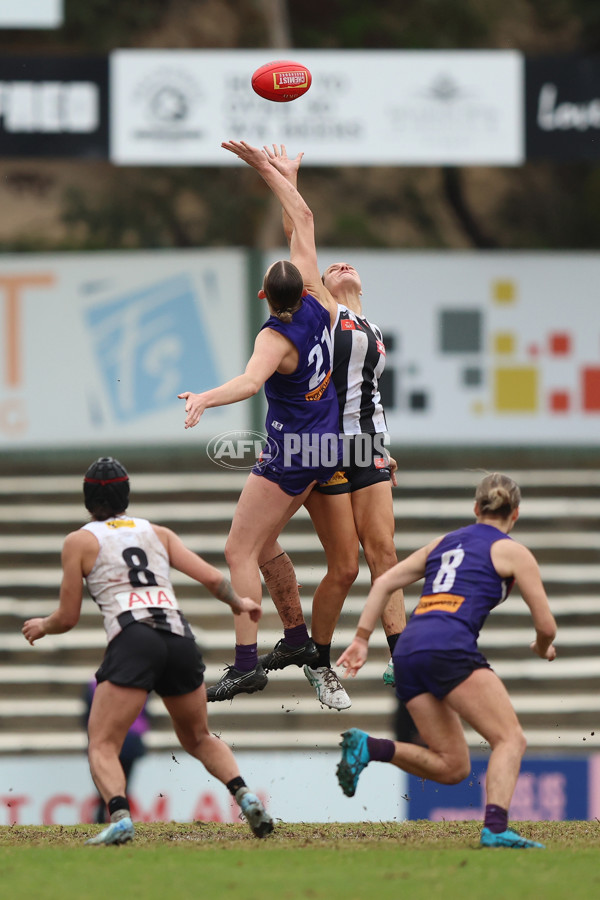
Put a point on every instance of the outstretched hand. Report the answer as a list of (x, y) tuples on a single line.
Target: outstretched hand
[(275, 155), (194, 407), (354, 657), (246, 152), (280, 160)]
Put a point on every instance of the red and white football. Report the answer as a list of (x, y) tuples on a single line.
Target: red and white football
[(281, 80)]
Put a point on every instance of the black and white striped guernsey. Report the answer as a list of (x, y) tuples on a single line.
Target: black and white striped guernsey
[(130, 580), (358, 361)]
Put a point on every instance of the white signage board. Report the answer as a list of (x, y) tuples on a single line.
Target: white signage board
[(96, 347), (485, 348), (174, 107), (171, 786), (31, 13)]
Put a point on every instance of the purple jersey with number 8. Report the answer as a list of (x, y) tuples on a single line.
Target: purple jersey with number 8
[(461, 588)]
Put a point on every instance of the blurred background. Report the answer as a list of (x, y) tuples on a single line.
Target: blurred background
[(451, 154), (75, 203)]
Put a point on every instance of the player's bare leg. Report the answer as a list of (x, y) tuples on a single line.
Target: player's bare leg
[(332, 518), (114, 710), (296, 647), (189, 716), (261, 513), (374, 516)]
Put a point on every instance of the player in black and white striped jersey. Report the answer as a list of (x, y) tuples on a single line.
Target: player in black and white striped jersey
[(359, 361), (355, 506), (126, 563)]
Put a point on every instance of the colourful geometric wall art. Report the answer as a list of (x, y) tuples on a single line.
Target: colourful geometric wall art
[(591, 389), (560, 401), (516, 389), (504, 291), (504, 343), (460, 331), (472, 376), (560, 344)]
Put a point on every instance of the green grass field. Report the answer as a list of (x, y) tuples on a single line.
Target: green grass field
[(383, 861)]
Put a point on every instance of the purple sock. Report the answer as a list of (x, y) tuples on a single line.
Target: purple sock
[(295, 637), (380, 749), (246, 657), (496, 818)]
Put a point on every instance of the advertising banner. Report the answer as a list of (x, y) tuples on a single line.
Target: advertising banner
[(485, 348), (553, 790), (171, 786), (562, 108), (96, 347), (31, 13), (173, 107), (53, 106)]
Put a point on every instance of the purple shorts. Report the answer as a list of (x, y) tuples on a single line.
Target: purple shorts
[(292, 481), (294, 475), (434, 672)]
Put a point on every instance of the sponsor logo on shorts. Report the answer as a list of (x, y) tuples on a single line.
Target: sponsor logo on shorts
[(439, 603), (338, 477)]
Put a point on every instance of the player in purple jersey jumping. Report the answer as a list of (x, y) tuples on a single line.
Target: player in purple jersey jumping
[(355, 508), (357, 503), (440, 673), (125, 562), (292, 358)]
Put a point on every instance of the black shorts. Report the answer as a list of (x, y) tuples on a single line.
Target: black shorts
[(434, 672), (365, 461), (144, 657)]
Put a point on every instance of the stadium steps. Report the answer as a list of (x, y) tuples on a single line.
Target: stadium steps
[(41, 706)]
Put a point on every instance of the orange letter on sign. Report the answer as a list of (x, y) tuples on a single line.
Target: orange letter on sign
[(12, 286)]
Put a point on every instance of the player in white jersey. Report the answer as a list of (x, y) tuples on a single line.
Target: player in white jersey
[(355, 507), (125, 562)]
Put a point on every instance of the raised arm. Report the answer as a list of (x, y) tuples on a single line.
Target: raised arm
[(303, 252), (270, 349), (185, 560), (289, 168)]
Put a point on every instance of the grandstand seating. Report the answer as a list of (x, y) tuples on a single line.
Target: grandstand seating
[(41, 688)]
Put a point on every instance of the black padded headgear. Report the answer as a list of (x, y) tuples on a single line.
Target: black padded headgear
[(106, 488)]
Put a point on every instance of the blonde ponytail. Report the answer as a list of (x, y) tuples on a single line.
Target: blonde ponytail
[(497, 495)]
